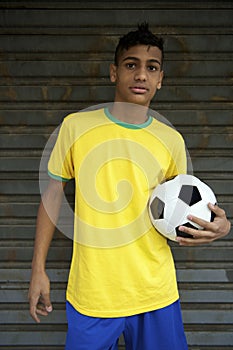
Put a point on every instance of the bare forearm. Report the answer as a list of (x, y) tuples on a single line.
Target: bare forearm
[(44, 234), (46, 220)]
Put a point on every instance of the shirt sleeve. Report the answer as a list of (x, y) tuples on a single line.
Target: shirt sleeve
[(178, 161), (60, 166)]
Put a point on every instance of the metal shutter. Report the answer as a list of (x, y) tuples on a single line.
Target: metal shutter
[(54, 58)]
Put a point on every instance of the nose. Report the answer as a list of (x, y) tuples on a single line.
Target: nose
[(141, 74)]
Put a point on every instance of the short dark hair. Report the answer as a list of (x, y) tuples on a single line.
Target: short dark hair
[(141, 36)]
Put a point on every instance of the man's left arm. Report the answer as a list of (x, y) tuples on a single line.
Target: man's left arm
[(216, 229)]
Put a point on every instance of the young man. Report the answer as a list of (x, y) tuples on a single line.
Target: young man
[(122, 277)]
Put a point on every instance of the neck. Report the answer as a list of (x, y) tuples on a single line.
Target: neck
[(129, 113)]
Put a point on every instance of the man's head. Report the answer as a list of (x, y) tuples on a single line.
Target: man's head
[(141, 36), (137, 70)]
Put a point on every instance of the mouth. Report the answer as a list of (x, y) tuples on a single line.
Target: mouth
[(138, 89)]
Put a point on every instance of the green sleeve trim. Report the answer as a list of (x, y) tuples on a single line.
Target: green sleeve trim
[(58, 178)]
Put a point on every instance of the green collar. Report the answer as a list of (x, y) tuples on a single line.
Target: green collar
[(127, 125)]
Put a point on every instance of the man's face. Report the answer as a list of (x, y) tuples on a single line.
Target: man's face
[(138, 75)]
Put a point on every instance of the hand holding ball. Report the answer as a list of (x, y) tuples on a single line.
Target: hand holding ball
[(172, 201)]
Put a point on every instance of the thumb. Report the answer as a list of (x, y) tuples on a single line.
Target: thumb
[(49, 308), (47, 303)]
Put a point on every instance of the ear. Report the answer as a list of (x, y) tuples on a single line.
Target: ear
[(159, 85), (113, 74)]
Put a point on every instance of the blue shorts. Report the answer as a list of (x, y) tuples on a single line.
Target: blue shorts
[(156, 330)]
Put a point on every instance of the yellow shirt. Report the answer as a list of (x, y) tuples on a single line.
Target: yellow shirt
[(121, 265)]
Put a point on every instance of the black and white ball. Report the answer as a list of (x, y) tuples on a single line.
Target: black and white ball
[(172, 201)]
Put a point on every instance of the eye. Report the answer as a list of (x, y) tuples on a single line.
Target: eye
[(130, 65), (153, 68)]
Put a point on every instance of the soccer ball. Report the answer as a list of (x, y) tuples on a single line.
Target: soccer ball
[(172, 201)]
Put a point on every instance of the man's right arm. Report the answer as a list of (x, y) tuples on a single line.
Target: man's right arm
[(39, 291)]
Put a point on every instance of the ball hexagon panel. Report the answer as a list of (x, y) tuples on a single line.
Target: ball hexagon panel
[(175, 211)]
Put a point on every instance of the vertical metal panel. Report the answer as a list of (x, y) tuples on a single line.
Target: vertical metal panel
[(54, 59)]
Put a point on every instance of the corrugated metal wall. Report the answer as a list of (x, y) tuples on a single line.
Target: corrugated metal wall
[(54, 58)]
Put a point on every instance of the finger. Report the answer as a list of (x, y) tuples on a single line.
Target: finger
[(196, 236), (191, 242), (200, 222), (45, 298), (41, 311), (206, 224), (33, 313), (33, 301), (215, 229), (190, 231), (216, 209)]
